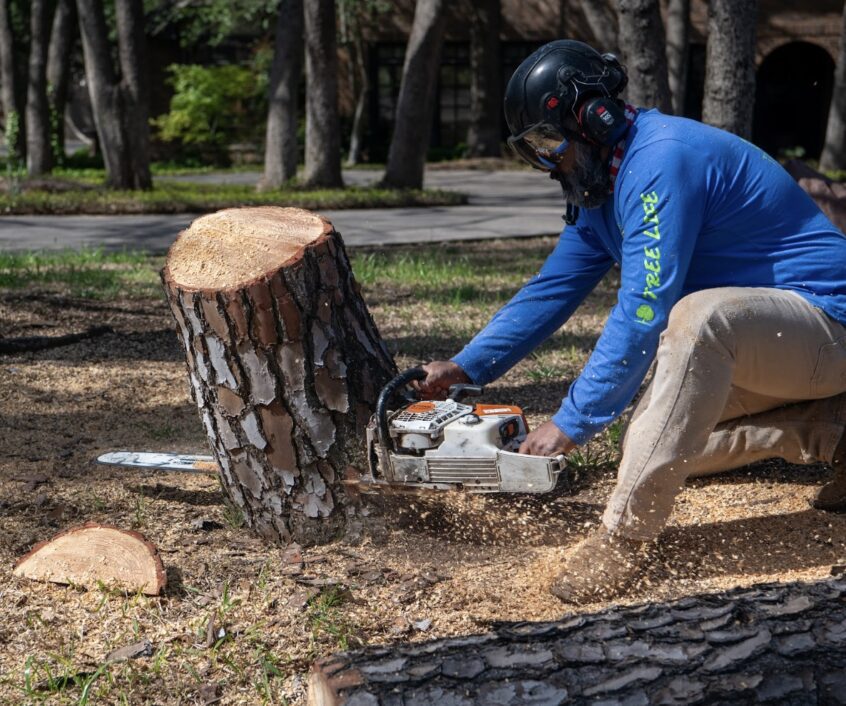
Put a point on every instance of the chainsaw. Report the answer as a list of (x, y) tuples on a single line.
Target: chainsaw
[(450, 445), (420, 445)]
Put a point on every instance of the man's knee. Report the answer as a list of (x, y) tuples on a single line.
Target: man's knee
[(703, 316)]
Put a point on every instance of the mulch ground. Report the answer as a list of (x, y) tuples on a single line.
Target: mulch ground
[(442, 566)]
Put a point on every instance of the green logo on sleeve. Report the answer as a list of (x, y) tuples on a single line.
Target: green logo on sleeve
[(644, 313)]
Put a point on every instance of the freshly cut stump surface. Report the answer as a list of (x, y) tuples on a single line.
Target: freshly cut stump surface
[(284, 360), (94, 554)]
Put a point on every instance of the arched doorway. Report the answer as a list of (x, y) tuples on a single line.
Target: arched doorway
[(793, 93)]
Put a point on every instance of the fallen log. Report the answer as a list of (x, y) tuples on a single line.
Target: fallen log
[(285, 362), (773, 643), (93, 555)]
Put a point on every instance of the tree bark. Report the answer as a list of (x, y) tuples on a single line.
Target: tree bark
[(678, 40), (120, 107), (774, 644), (284, 360), (416, 101), (39, 157), (12, 89), (730, 66), (834, 152), (281, 153), (484, 135), (323, 127), (603, 25), (62, 41), (645, 53)]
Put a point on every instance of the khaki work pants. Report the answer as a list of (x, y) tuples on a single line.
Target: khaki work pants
[(741, 374)]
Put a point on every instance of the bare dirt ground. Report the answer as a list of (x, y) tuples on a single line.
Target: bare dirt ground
[(442, 567)]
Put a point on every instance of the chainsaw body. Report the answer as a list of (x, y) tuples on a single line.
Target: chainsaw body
[(449, 445)]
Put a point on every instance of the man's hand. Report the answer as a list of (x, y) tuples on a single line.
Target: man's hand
[(547, 440), (441, 374)]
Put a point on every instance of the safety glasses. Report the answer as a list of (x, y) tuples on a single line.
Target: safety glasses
[(542, 145)]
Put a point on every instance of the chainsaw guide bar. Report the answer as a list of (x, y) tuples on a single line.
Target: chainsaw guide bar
[(184, 463)]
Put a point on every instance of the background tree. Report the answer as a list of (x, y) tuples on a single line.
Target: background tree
[(323, 127), (644, 52), (13, 31), (120, 105), (39, 157), (356, 18), (730, 66), (281, 153), (62, 41), (678, 40), (834, 152), (416, 101), (484, 134), (603, 25)]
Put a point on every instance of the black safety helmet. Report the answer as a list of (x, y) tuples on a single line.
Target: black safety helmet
[(555, 82)]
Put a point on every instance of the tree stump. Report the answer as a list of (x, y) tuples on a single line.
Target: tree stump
[(285, 362), (782, 644)]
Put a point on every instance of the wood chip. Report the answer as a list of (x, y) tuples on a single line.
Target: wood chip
[(143, 648)]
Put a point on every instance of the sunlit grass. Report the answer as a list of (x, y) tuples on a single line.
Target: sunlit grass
[(85, 273)]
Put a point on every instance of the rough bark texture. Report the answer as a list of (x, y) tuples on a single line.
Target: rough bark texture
[(323, 127), (834, 152), (285, 362), (281, 153), (644, 53), (416, 101), (62, 41), (678, 40), (484, 135), (771, 644), (603, 24), (12, 93), (120, 107), (39, 157), (730, 66), (94, 555)]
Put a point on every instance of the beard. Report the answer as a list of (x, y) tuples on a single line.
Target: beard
[(588, 183)]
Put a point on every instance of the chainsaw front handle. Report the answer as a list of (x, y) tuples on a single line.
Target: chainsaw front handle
[(387, 393)]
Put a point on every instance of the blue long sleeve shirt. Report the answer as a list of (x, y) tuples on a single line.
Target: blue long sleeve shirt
[(693, 208)]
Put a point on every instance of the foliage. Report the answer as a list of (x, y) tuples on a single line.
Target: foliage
[(213, 106), (208, 22)]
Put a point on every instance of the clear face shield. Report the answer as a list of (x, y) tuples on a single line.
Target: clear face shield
[(542, 145)]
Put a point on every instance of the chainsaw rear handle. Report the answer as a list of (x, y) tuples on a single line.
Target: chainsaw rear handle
[(387, 393)]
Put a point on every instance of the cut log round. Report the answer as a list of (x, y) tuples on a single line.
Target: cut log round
[(781, 644), (93, 554), (285, 362)]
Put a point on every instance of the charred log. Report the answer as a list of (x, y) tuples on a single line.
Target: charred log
[(285, 362), (781, 644)]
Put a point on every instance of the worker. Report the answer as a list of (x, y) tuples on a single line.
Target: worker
[(732, 281)]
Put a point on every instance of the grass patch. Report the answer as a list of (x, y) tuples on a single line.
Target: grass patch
[(86, 273), (82, 195)]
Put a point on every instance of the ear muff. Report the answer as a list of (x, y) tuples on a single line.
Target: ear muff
[(602, 120)]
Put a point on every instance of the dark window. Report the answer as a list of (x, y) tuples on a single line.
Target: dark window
[(453, 96)]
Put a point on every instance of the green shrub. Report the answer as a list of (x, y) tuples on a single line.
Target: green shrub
[(213, 106)]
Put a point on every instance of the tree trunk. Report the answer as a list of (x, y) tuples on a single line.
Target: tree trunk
[(281, 153), (603, 25), (39, 158), (678, 40), (323, 127), (135, 89), (773, 644), (730, 66), (361, 84), (834, 152), (284, 360), (117, 106), (59, 59), (484, 135), (12, 91), (416, 101), (645, 53)]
